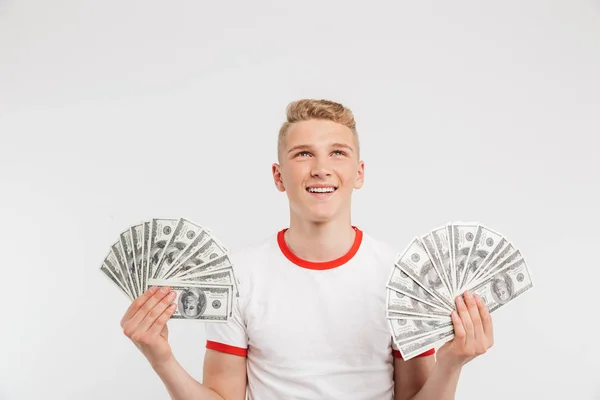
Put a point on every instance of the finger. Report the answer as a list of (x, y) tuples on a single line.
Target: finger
[(463, 313), (159, 294), (137, 304), (156, 311), (486, 320), (474, 314), (162, 320), (459, 329), (141, 313)]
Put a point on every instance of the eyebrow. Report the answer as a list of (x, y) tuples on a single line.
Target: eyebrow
[(306, 147), (343, 145)]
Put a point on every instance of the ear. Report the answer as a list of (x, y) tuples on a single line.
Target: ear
[(360, 176), (277, 177)]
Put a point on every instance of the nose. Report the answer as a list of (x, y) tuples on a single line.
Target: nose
[(320, 169)]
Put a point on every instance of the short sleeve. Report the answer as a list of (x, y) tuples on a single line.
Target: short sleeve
[(229, 337)]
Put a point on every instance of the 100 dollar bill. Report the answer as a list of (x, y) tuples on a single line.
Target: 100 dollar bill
[(402, 283), (498, 290), (185, 234), (210, 303), (399, 302), (416, 263), (412, 329), (505, 285), (400, 315), (412, 348)]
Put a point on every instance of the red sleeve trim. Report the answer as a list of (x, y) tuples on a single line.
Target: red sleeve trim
[(427, 353), (225, 348)]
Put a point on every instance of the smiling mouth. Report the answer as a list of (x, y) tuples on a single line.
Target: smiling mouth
[(329, 189)]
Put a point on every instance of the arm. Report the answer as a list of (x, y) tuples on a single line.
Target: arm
[(473, 336), (145, 323), (224, 378), (411, 375), (424, 381), (226, 374)]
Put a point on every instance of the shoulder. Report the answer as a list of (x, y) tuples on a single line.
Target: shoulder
[(255, 251), (247, 259), (380, 249)]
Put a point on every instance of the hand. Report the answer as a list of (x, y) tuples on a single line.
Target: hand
[(145, 323), (473, 332)]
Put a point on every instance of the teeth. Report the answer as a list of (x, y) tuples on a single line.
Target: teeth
[(321, 190)]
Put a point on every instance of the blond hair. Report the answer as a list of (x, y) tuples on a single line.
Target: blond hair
[(307, 109)]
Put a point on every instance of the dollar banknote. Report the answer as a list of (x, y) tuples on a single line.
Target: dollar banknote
[(136, 233), (486, 244), (146, 254), (127, 249), (208, 257), (399, 302), (183, 235), (402, 283), (110, 274), (430, 247), (202, 302), (463, 236), (415, 263), (218, 277), (117, 258), (507, 284), (442, 245), (112, 269), (161, 230), (145, 250), (192, 248), (465, 255), (496, 265), (411, 348), (401, 315), (405, 329)]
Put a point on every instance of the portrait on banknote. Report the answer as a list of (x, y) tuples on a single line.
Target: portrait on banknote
[(192, 303), (502, 288), (430, 277)]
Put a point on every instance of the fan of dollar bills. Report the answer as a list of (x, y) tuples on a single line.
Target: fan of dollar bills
[(438, 266), (180, 254)]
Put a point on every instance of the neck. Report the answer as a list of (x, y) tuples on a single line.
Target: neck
[(320, 242)]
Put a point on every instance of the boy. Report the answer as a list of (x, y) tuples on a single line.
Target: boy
[(310, 320)]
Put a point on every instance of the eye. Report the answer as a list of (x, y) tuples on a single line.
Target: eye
[(339, 152), (302, 153)]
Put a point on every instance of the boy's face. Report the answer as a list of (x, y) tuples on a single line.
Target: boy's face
[(319, 168)]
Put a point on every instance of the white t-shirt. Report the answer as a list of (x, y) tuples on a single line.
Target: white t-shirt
[(312, 330)]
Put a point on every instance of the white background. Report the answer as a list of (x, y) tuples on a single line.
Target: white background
[(117, 111)]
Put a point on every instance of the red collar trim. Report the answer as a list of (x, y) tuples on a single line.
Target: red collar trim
[(319, 265)]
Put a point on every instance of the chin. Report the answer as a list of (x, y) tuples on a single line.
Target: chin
[(321, 216), (320, 219), (319, 213)]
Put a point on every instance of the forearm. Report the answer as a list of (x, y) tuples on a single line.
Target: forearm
[(441, 384), (181, 385)]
